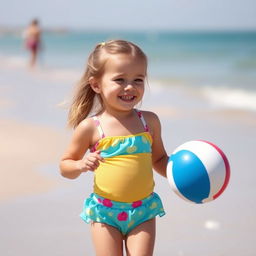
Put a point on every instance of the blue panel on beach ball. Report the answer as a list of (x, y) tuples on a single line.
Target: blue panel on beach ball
[(190, 176)]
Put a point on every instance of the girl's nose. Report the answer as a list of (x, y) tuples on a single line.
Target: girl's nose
[(128, 86)]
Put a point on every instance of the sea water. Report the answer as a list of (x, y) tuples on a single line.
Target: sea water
[(220, 66)]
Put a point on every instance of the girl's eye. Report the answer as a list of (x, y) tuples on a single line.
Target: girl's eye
[(119, 80), (139, 80)]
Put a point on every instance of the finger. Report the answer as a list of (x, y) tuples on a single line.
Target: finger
[(94, 158), (92, 164), (99, 157)]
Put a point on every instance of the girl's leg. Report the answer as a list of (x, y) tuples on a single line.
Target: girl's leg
[(140, 241), (107, 240)]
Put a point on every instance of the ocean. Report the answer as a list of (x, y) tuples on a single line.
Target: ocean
[(218, 66)]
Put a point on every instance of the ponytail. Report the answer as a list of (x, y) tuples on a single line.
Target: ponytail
[(82, 104)]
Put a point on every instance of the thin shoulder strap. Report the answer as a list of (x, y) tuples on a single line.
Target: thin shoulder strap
[(142, 120), (99, 128)]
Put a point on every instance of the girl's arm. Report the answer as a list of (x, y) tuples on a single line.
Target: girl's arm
[(72, 163), (159, 155)]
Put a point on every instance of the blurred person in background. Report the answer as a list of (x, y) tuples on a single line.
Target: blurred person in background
[(32, 36)]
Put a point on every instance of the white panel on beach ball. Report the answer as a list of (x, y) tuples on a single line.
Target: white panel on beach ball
[(198, 171)]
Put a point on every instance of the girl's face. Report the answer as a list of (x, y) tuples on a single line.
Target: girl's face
[(122, 84)]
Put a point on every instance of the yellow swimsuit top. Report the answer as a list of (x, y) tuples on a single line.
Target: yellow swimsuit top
[(126, 174)]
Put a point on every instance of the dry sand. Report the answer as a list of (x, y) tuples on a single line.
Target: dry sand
[(24, 147)]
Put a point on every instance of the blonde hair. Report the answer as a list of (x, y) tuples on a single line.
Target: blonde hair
[(84, 98)]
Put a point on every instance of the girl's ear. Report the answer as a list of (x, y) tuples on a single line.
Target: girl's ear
[(94, 84)]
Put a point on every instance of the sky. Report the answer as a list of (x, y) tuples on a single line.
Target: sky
[(132, 14)]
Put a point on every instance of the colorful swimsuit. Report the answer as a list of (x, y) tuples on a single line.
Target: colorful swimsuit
[(123, 184)]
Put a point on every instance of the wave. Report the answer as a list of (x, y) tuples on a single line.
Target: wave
[(230, 98), (218, 97)]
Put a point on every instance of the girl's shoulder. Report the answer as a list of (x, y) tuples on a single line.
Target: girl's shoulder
[(151, 119), (86, 125), (87, 129)]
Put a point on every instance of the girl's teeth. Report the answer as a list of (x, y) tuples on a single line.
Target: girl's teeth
[(127, 97)]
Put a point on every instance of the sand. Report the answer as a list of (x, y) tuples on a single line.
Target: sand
[(24, 148), (40, 209)]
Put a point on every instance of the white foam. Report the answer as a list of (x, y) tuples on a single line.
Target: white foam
[(223, 97), (230, 98)]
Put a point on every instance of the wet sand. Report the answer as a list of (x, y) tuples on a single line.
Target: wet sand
[(40, 209)]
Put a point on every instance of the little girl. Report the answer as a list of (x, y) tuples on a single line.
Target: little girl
[(125, 144)]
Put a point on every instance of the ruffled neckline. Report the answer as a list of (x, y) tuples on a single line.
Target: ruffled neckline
[(107, 138)]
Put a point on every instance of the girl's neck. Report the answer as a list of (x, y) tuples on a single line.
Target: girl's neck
[(117, 113), (120, 123)]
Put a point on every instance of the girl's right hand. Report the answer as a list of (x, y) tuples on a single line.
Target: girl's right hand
[(90, 162)]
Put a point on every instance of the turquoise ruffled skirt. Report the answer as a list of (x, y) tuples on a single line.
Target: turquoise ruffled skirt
[(123, 216)]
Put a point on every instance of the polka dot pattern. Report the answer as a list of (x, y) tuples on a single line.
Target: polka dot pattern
[(124, 216)]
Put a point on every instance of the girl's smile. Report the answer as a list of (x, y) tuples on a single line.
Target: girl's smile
[(127, 98)]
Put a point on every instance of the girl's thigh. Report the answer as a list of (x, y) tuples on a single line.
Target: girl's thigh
[(107, 240), (141, 240)]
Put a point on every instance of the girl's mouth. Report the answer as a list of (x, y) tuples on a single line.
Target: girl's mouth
[(127, 98)]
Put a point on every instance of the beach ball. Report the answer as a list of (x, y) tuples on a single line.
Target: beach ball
[(198, 171)]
